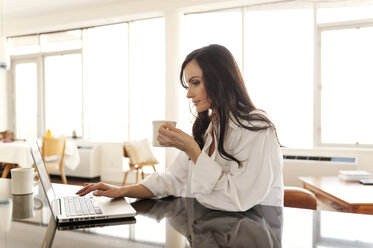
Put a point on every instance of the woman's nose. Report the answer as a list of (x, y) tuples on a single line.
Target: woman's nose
[(189, 94)]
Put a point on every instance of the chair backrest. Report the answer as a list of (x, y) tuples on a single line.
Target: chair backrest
[(139, 153), (53, 146), (297, 197)]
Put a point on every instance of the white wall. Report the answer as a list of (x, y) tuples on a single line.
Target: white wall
[(112, 161), (296, 168)]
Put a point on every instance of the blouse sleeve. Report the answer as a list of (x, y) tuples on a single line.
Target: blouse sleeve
[(238, 188), (173, 181)]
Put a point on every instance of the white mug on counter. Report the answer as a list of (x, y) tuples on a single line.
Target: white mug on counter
[(23, 180), (156, 126)]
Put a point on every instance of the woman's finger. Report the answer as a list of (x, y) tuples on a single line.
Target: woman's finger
[(86, 185), (164, 131), (91, 187), (172, 128), (164, 140)]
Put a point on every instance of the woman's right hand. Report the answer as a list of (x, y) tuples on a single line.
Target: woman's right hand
[(101, 189), (173, 137)]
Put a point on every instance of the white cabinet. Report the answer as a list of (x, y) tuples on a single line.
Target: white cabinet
[(89, 166)]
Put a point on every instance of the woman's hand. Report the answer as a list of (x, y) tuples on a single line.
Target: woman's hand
[(101, 189), (174, 137)]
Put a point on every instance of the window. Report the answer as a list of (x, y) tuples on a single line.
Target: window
[(147, 69), (47, 85), (61, 41), (115, 73), (26, 99), (276, 59), (63, 94), (346, 86), (106, 83), (345, 50), (147, 80), (345, 13), (279, 70), (24, 45), (224, 28), (104, 90)]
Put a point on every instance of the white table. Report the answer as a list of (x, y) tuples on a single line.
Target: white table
[(18, 152)]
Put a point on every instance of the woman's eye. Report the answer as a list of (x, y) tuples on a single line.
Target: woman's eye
[(196, 83)]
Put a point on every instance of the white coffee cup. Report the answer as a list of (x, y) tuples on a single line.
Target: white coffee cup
[(23, 181), (156, 126), (5, 188)]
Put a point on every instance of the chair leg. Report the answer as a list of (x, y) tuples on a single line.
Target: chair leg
[(63, 176), (137, 175), (6, 170), (142, 174), (153, 167), (125, 178)]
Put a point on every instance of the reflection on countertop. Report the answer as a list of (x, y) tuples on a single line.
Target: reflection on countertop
[(183, 222), (260, 226), (24, 206)]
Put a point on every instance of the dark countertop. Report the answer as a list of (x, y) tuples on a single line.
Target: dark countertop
[(183, 222)]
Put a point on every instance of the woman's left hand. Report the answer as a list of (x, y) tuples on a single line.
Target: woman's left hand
[(174, 137)]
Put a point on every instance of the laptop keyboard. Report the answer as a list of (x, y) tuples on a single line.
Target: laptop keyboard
[(81, 205)]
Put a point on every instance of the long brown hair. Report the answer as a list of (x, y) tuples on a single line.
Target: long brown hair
[(227, 92)]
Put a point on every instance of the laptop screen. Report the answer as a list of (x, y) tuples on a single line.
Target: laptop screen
[(43, 174)]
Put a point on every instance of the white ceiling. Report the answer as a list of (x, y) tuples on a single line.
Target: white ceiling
[(25, 8), (13, 9), (23, 17)]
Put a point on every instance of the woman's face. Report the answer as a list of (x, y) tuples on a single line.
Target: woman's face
[(196, 89)]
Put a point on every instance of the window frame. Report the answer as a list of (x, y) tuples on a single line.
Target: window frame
[(24, 59), (39, 58), (319, 28)]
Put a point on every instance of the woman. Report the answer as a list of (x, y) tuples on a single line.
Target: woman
[(233, 160)]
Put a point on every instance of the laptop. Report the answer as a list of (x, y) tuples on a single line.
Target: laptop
[(70, 209)]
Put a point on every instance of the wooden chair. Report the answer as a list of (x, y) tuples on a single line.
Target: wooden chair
[(297, 197), (7, 168), (135, 165), (54, 147)]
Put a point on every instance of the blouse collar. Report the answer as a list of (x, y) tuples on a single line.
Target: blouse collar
[(215, 125)]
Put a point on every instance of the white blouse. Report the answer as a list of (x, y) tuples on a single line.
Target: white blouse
[(221, 184)]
